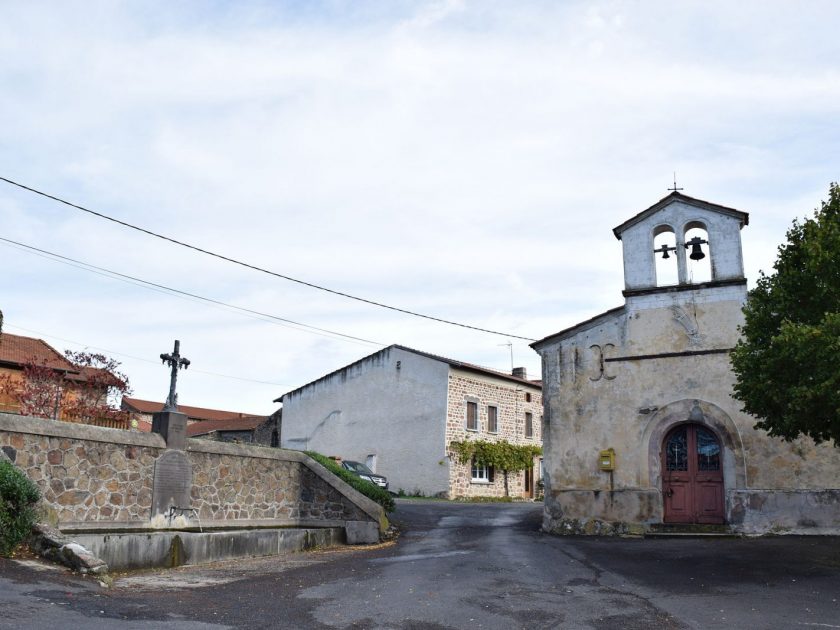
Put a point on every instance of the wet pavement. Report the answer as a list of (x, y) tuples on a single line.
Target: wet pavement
[(459, 566)]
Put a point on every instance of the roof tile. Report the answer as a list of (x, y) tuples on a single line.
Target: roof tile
[(17, 350), (193, 413)]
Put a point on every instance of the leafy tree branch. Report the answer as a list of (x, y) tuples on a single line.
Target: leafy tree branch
[(786, 363)]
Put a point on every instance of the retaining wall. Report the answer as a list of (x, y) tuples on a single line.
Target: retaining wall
[(93, 478)]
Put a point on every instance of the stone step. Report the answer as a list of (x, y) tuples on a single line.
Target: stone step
[(689, 530), (691, 535)]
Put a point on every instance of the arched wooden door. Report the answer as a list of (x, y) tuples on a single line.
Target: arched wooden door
[(692, 476)]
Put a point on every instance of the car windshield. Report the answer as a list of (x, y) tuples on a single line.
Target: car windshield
[(358, 467)]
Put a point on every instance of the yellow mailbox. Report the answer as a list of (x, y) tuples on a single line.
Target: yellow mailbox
[(606, 459)]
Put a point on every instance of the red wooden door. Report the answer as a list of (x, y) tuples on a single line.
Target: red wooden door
[(692, 476)]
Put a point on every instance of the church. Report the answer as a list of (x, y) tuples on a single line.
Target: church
[(642, 432)]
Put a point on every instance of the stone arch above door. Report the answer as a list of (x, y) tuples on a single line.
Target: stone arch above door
[(715, 418)]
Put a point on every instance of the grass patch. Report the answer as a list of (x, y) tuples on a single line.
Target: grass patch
[(18, 495), (486, 499), (370, 490)]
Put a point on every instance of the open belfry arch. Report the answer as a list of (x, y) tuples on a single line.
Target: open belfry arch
[(641, 428)]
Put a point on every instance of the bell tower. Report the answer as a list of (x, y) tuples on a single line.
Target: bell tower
[(681, 243)]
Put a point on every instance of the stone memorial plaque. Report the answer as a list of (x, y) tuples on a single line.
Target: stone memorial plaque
[(172, 483)]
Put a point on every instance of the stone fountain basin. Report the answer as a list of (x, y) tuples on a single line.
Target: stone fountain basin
[(154, 548)]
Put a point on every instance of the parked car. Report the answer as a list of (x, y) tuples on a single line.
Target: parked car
[(358, 468)]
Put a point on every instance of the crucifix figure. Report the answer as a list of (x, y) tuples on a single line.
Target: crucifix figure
[(175, 361)]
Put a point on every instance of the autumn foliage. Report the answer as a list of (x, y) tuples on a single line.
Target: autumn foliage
[(90, 393)]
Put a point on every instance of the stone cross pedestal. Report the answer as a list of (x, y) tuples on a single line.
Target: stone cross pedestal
[(172, 425)]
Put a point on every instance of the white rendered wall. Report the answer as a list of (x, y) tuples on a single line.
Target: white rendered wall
[(723, 235), (374, 408)]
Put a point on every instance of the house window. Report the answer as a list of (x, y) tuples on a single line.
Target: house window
[(472, 416), (527, 396), (492, 419), (529, 424), (481, 473)]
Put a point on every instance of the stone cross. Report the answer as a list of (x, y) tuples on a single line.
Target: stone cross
[(175, 361)]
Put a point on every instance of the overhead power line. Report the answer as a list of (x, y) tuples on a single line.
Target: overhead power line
[(255, 267), (130, 356), (165, 289)]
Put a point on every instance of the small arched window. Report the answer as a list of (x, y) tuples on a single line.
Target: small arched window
[(665, 259), (698, 255)]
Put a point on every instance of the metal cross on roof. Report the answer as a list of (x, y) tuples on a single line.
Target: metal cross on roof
[(675, 189), (175, 361)]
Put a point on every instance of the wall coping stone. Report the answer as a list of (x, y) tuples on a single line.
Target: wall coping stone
[(57, 428)]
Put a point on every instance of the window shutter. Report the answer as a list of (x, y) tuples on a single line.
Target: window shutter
[(491, 474), (472, 416)]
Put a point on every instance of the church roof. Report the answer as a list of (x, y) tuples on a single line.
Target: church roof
[(690, 201), (589, 323)]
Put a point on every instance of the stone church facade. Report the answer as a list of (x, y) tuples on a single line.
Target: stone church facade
[(652, 381)]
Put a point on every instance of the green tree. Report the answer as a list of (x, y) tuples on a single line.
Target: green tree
[(502, 455), (787, 362)]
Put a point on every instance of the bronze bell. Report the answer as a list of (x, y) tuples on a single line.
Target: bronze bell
[(664, 250), (696, 251)]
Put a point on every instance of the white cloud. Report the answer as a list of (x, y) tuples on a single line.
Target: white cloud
[(465, 159)]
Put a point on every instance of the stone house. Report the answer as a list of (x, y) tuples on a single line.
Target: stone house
[(261, 430), (651, 380), (398, 410), (211, 424)]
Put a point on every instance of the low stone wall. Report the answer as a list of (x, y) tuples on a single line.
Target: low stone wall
[(93, 478)]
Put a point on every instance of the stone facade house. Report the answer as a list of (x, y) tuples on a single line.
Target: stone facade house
[(651, 380), (211, 424), (261, 430), (399, 409)]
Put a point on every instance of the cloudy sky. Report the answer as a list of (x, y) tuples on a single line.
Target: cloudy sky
[(465, 160)]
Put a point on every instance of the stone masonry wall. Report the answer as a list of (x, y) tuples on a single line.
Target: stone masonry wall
[(510, 399), (232, 487), (85, 479), (92, 476)]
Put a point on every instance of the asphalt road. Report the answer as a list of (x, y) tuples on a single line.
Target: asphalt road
[(460, 566)]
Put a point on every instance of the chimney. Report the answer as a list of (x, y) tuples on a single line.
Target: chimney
[(520, 372)]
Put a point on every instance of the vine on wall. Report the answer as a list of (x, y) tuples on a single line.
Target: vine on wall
[(502, 455)]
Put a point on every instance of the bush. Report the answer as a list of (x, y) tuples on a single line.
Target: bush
[(18, 495), (370, 490)]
